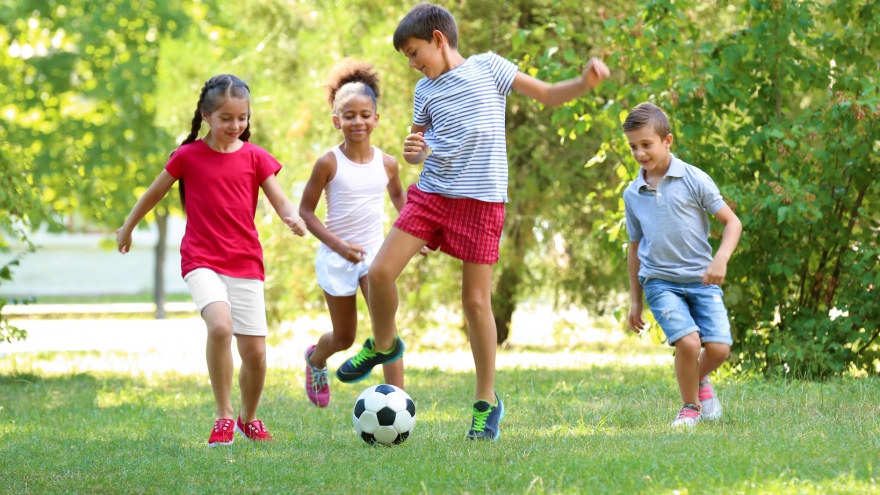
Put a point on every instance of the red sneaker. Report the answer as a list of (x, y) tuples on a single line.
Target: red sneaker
[(253, 431), (223, 433)]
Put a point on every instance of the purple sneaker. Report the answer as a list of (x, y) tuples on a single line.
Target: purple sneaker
[(317, 385)]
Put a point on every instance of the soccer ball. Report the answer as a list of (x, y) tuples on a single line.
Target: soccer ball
[(384, 414)]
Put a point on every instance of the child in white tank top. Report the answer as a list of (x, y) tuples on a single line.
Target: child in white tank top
[(354, 175)]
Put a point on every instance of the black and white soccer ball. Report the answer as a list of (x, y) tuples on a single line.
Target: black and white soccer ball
[(384, 414)]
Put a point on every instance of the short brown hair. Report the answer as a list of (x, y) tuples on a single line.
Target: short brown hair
[(421, 22), (650, 114)]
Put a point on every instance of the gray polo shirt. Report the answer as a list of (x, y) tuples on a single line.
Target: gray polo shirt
[(671, 223)]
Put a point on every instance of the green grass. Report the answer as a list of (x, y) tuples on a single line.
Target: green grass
[(591, 430), (146, 297)]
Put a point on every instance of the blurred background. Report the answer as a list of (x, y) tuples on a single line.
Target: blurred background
[(776, 100)]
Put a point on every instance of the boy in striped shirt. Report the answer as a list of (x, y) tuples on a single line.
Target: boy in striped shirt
[(458, 203)]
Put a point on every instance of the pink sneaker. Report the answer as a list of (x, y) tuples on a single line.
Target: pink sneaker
[(254, 431), (317, 383), (689, 415), (223, 433), (711, 404)]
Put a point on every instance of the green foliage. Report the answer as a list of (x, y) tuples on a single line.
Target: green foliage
[(779, 106)]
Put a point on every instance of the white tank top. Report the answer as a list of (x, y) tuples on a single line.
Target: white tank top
[(356, 200)]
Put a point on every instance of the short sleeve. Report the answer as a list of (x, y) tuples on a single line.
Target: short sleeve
[(174, 167), (267, 165), (503, 72), (633, 227), (709, 195), (420, 113)]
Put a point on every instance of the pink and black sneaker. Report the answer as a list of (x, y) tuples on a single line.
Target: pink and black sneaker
[(317, 383), (254, 431), (711, 404), (223, 433)]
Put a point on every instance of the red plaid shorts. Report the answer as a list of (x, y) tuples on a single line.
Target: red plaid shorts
[(464, 228)]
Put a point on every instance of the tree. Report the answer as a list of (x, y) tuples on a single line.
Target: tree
[(80, 98), (781, 111)]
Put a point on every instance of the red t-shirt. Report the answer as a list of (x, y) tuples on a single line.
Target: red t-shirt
[(221, 202)]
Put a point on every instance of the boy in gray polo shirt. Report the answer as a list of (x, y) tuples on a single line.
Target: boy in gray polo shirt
[(670, 258)]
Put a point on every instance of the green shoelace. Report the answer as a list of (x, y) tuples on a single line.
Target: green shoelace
[(480, 419), (363, 355)]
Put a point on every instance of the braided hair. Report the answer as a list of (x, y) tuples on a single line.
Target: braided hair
[(214, 93), (351, 78)]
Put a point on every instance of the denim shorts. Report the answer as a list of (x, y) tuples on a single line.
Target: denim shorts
[(684, 308)]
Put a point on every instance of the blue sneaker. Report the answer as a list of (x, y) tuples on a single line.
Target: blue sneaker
[(359, 367), (487, 419)]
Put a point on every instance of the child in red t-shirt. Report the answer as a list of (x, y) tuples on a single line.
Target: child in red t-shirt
[(221, 255)]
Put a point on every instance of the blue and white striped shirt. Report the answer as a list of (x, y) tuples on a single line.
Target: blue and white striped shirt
[(464, 109)]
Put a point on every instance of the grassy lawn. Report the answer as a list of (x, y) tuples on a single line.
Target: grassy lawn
[(601, 429)]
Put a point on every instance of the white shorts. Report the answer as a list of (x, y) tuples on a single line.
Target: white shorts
[(338, 276), (244, 296)]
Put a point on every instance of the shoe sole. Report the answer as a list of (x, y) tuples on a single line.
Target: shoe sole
[(215, 444)]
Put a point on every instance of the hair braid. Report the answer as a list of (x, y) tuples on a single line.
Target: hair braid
[(247, 130), (193, 134)]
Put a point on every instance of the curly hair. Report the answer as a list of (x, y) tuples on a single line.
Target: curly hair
[(351, 78)]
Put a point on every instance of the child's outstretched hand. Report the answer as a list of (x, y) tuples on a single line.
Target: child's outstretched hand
[(595, 72), (296, 225), (413, 145), (123, 240)]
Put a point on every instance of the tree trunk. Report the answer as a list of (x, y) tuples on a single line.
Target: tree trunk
[(506, 294), (504, 301), (159, 273)]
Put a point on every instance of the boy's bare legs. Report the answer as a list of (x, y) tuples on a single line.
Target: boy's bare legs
[(398, 248), (218, 353), (393, 371), (476, 297), (712, 357), (343, 314), (252, 375), (687, 367)]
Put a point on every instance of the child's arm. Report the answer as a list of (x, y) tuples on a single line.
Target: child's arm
[(717, 269), (322, 173), (395, 189), (561, 92), (414, 148), (157, 190), (283, 206), (636, 323)]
